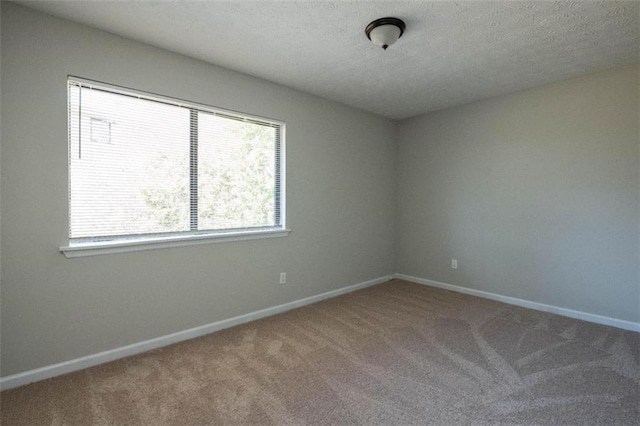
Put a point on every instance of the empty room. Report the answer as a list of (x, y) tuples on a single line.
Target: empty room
[(319, 212)]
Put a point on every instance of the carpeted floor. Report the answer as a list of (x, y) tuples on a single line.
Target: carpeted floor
[(394, 354)]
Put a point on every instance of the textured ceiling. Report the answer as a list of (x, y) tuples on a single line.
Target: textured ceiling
[(451, 53)]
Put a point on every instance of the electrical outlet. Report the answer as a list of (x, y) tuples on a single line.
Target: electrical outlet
[(283, 277), (454, 263)]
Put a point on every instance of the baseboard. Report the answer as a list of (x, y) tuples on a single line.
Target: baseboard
[(47, 372), (599, 319)]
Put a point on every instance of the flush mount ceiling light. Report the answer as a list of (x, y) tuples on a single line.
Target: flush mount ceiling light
[(384, 32)]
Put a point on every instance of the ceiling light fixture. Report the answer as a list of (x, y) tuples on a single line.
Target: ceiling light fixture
[(384, 32)]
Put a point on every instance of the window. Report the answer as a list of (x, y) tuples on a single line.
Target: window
[(145, 169)]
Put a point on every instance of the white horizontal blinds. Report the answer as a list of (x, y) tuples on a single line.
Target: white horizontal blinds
[(277, 160), (193, 170), (236, 173), (142, 165), (129, 160)]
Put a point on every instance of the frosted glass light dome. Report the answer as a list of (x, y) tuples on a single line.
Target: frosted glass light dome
[(384, 32)]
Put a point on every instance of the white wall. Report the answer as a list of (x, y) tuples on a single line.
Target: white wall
[(536, 194), (340, 184)]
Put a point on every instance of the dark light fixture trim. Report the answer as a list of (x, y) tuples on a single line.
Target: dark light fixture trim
[(385, 21)]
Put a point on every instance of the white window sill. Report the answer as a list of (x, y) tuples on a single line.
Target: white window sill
[(95, 248)]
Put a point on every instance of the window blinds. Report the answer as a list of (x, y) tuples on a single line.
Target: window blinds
[(146, 165)]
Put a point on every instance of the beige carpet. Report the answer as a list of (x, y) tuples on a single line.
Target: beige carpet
[(395, 354)]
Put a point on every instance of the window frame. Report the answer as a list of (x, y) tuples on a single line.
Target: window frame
[(81, 247)]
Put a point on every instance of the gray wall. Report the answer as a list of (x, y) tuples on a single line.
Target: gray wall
[(536, 194), (340, 191), (0, 187)]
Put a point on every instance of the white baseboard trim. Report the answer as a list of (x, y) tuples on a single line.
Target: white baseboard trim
[(54, 370), (599, 319)]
